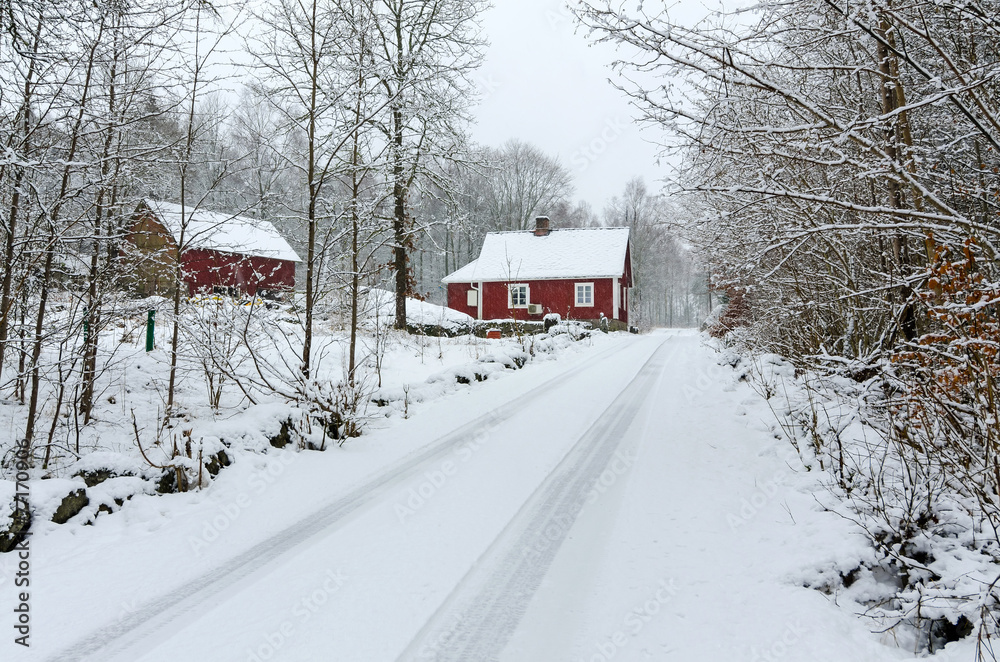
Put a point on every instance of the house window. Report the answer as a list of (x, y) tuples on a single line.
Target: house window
[(584, 295), (518, 296)]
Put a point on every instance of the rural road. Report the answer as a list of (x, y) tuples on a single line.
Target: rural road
[(596, 515)]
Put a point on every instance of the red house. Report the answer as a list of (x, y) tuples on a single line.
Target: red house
[(221, 253), (579, 273)]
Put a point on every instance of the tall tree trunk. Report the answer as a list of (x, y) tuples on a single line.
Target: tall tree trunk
[(314, 191), (92, 314), (399, 229), (895, 134), (355, 220), (178, 277), (355, 265)]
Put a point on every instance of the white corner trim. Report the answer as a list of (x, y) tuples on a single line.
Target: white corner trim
[(617, 298)]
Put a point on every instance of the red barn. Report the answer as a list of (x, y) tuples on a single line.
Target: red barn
[(221, 252), (579, 273)]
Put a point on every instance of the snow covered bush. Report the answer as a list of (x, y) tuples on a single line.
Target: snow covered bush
[(931, 572)]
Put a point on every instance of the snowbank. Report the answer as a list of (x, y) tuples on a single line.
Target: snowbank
[(418, 313)]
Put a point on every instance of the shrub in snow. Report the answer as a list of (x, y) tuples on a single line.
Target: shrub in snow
[(465, 375), (929, 571), (735, 313), (547, 344), (514, 359), (576, 330)]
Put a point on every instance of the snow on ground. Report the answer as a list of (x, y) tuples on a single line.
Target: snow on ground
[(397, 373), (155, 543), (927, 572), (694, 541), (418, 313)]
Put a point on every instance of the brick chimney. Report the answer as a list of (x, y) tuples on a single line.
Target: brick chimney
[(542, 226)]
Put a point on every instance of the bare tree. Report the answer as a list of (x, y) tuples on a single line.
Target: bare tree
[(313, 63), (493, 189), (817, 154), (204, 44), (426, 51), (524, 183), (127, 76), (23, 30), (663, 272)]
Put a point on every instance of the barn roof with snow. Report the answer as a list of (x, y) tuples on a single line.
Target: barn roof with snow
[(560, 254), (225, 233)]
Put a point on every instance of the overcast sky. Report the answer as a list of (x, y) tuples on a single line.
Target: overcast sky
[(542, 83)]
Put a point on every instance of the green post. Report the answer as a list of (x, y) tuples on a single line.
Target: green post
[(150, 327)]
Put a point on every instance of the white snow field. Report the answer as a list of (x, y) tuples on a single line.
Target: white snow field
[(628, 502)]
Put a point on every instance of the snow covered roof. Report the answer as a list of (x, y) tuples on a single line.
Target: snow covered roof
[(223, 232), (464, 275), (565, 253)]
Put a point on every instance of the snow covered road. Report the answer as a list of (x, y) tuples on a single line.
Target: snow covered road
[(487, 606), (631, 505)]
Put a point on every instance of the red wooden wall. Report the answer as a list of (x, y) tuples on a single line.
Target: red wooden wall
[(556, 296), (207, 269), (458, 298)]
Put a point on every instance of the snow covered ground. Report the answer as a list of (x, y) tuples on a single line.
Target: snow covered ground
[(630, 501)]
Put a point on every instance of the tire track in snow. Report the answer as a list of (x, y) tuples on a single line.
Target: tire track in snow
[(482, 613), (121, 639)]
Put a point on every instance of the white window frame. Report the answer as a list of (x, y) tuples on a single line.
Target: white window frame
[(576, 295), (510, 295), (472, 298)]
